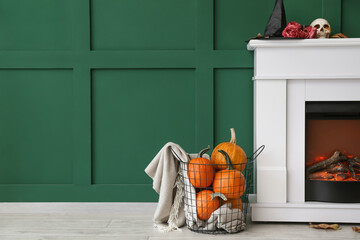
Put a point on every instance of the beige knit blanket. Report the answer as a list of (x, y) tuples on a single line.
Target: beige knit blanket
[(163, 169)]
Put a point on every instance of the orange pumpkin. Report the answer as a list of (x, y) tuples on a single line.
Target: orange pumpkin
[(236, 153), (206, 203), (200, 171), (234, 203), (230, 182)]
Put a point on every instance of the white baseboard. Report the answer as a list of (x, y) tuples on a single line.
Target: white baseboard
[(306, 212)]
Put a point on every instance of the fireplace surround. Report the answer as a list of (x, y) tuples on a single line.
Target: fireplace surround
[(288, 76)]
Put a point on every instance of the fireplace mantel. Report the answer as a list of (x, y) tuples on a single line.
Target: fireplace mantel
[(287, 73), (286, 59)]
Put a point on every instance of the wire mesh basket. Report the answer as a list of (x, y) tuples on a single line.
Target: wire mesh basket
[(216, 195)]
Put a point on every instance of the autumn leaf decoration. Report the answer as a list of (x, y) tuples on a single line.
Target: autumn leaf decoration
[(325, 226)]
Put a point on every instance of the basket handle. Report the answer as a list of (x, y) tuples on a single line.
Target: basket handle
[(257, 152), (177, 156)]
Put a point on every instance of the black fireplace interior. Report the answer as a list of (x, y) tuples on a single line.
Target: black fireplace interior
[(332, 152)]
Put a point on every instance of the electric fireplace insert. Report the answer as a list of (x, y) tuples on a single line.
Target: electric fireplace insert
[(332, 152)]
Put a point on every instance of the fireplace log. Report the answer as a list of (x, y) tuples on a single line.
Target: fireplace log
[(356, 168), (353, 174), (341, 164), (324, 164), (342, 176), (338, 169), (353, 163), (356, 162), (320, 175)]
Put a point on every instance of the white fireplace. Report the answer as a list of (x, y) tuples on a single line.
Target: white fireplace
[(287, 74)]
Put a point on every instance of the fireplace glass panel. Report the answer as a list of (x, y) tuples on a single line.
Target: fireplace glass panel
[(332, 148), (324, 137)]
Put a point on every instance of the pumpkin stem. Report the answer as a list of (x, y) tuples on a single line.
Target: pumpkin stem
[(233, 136), (229, 165), (203, 151), (214, 195)]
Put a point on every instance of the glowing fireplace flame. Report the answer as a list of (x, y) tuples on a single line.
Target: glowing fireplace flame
[(343, 170)]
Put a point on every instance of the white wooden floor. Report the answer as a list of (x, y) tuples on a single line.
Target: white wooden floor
[(132, 221)]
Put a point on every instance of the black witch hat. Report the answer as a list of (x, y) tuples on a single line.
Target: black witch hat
[(277, 21)]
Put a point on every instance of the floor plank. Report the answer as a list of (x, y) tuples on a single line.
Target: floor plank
[(133, 221)]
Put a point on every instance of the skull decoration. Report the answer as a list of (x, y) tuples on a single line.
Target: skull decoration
[(323, 28)]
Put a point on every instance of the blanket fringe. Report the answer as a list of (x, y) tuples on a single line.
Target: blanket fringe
[(166, 229), (174, 212)]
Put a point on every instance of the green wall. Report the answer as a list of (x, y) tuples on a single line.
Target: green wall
[(91, 90)]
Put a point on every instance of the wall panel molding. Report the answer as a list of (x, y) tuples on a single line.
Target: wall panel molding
[(106, 43)]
